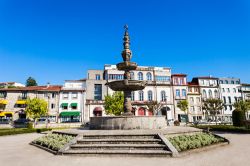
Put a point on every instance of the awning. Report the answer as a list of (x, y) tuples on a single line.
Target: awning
[(6, 113), (73, 104), (3, 102), (21, 102), (71, 113), (98, 109), (64, 105)]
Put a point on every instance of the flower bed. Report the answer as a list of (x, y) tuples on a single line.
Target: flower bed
[(198, 140), (53, 141)]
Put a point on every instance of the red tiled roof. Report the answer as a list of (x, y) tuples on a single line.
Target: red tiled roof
[(34, 88), (193, 84), (179, 75)]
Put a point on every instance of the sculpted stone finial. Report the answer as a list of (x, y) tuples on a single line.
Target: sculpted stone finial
[(126, 53)]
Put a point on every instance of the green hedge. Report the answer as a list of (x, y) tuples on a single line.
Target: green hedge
[(225, 128), (15, 131), (238, 118), (187, 142)]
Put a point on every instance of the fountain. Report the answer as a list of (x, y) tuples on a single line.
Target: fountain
[(127, 120)]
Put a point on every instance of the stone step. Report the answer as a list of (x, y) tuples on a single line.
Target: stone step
[(142, 136), (118, 146), (119, 141), (148, 153)]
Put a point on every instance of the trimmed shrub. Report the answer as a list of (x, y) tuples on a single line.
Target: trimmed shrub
[(30, 125), (186, 142), (238, 118), (176, 123)]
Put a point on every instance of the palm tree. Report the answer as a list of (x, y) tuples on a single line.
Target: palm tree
[(242, 105), (213, 106), (183, 105)]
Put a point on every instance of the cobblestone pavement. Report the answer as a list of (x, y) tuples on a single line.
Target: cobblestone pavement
[(15, 151)]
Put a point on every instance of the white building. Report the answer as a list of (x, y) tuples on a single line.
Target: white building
[(230, 93), (72, 101), (179, 89), (195, 103)]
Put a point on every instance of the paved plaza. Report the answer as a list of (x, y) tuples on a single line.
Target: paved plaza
[(16, 151)]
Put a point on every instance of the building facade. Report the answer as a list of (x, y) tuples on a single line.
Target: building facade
[(72, 101)]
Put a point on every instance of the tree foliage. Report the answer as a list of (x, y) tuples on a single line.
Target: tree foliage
[(183, 105), (154, 106), (113, 104), (238, 117), (36, 108), (31, 82), (212, 106), (243, 106)]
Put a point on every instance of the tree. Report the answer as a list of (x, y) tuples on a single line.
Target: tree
[(183, 105), (154, 106), (113, 104), (212, 107), (36, 108), (31, 82), (243, 106)]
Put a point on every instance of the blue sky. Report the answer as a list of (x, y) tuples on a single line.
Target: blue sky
[(57, 40)]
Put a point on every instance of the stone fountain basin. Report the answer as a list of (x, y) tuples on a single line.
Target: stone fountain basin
[(126, 66), (128, 122), (127, 85)]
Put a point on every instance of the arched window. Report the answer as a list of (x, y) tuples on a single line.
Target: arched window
[(237, 82), (133, 96), (184, 93), (149, 76), (216, 95), (163, 96), (232, 82), (234, 90), (204, 93), (140, 76), (221, 82), (210, 94), (223, 89), (226, 81), (132, 75), (141, 96), (150, 95)]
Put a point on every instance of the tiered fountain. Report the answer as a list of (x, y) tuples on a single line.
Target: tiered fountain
[(127, 120)]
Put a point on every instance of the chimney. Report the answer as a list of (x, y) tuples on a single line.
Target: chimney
[(48, 84)]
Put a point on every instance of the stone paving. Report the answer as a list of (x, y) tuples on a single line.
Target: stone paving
[(15, 151)]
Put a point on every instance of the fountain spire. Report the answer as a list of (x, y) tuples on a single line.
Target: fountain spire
[(126, 53)]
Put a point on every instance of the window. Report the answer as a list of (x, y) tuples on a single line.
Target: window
[(235, 99), (210, 93), (150, 95), (24, 95), (225, 107), (192, 108), (97, 76), (115, 76), (204, 93), (3, 94), (141, 96), (232, 82), (65, 107), (65, 95), (224, 99), (182, 81), (226, 81), (223, 89), (231, 108), (133, 96), (228, 90), (216, 94), (74, 107), (229, 99), (74, 95), (191, 99), (132, 75), (163, 96), (221, 82), (234, 90), (198, 100), (162, 78), (149, 76), (140, 76), (189, 89), (98, 92), (196, 89), (198, 108), (237, 82), (53, 95), (177, 92), (52, 106), (184, 93)]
